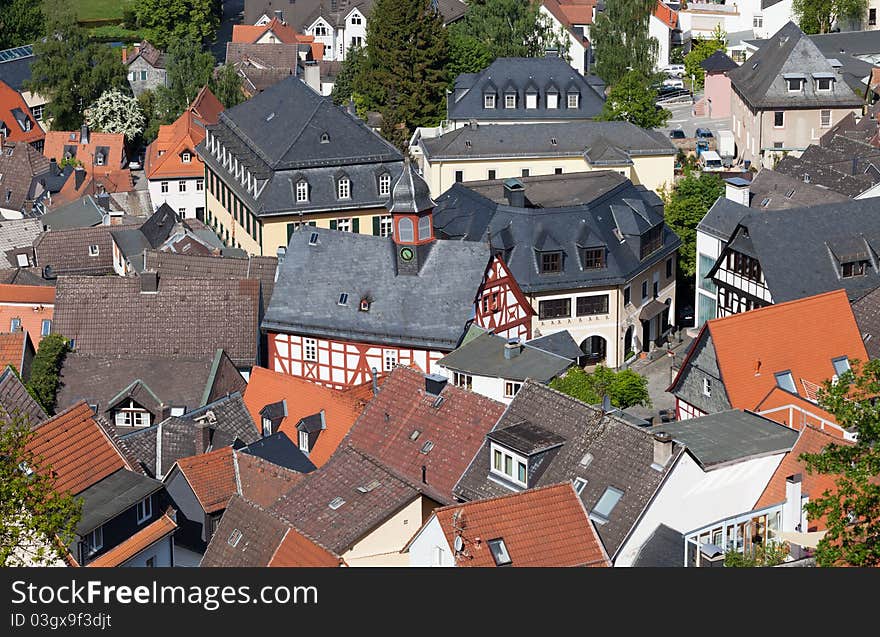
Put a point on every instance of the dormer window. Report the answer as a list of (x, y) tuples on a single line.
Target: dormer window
[(384, 185), (823, 84), (854, 268), (510, 100), (343, 188), (325, 138), (304, 442), (794, 84), (593, 258), (532, 99), (186, 157), (552, 99), (551, 262), (302, 191), (488, 100), (841, 365), (784, 380), (574, 100), (509, 465), (356, 18), (651, 241)]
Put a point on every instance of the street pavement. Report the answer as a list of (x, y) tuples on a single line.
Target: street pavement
[(660, 371)]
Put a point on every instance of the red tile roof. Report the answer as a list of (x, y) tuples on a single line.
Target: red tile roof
[(143, 539), (456, 429), (78, 450), (10, 99), (666, 15), (547, 526), (304, 398), (12, 349), (57, 140), (571, 12), (297, 550), (27, 294), (249, 34), (212, 478)]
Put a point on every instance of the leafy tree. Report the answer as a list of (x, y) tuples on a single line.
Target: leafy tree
[(620, 37), (700, 50), (505, 28), (188, 69), (353, 66), (467, 53), (818, 16), (405, 76), (45, 369), (164, 22), (852, 510), (36, 522), (687, 204), (624, 388), (115, 112), (147, 103), (71, 71), (225, 84), (633, 100), (21, 23)]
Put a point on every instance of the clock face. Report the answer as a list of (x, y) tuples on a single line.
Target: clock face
[(406, 254)]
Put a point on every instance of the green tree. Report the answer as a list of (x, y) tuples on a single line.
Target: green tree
[(45, 369), (686, 205), (21, 23), (818, 16), (147, 103), (164, 22), (37, 522), (852, 509), (71, 71), (621, 40), (700, 50), (353, 66), (505, 28), (225, 84), (405, 77), (633, 100), (188, 69), (467, 54), (624, 388), (115, 112)]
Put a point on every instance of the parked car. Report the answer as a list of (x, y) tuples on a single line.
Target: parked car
[(703, 133), (677, 134), (676, 70), (674, 82), (685, 316)]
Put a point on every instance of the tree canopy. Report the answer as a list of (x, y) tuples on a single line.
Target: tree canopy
[(686, 205), (818, 16), (188, 69), (852, 510), (225, 84), (624, 388), (164, 22), (621, 40), (633, 100), (45, 370), (700, 50), (115, 112), (21, 22)]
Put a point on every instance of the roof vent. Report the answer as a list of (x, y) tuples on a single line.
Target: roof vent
[(512, 348), (270, 116), (434, 384)]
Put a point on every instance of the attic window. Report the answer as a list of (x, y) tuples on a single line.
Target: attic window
[(764, 202), (94, 250), (854, 268), (336, 502), (551, 262), (426, 447), (841, 365), (467, 143), (499, 552), (234, 538), (489, 100), (325, 138), (823, 84), (369, 486), (606, 504), (510, 100), (789, 194), (313, 239), (186, 157), (579, 484), (415, 435), (786, 381), (343, 299), (794, 84)]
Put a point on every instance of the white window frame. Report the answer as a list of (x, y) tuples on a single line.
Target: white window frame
[(302, 191), (356, 18), (389, 359), (384, 185), (515, 461), (344, 224), (465, 381), (579, 484), (200, 184), (15, 324), (94, 541), (783, 119), (707, 387), (511, 387), (510, 100), (573, 100), (343, 188), (386, 226), (552, 100), (310, 350), (45, 327), (531, 100), (186, 157), (94, 250), (824, 90), (145, 509), (303, 442), (824, 124), (22, 260), (129, 417), (489, 100)]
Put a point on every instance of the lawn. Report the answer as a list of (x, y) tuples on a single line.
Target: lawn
[(87, 10)]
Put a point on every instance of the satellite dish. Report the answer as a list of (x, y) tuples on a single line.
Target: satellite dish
[(458, 544)]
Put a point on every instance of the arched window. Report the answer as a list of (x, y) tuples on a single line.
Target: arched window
[(425, 227), (405, 229), (384, 184), (302, 191), (343, 188)]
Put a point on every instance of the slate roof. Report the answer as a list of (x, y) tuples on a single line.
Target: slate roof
[(617, 454), (22, 166), (547, 526), (278, 449), (68, 251), (816, 166), (522, 233), (718, 62), (731, 436), (18, 235), (150, 54), (591, 140), (152, 233), (146, 537), (760, 82), (664, 548), (105, 499), (522, 75), (15, 66), (15, 400), (455, 429), (81, 213), (560, 343), (484, 356), (427, 310), (782, 191), (867, 313), (817, 235), (110, 316), (306, 505), (277, 136)]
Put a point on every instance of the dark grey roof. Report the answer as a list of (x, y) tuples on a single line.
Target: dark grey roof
[(301, 14), (867, 313), (552, 191), (772, 190), (522, 233), (664, 548), (410, 193), (600, 448), (540, 75), (429, 309), (730, 436), (277, 135), (81, 213), (152, 233), (278, 449), (718, 62), (560, 343), (815, 166), (759, 81), (591, 140), (721, 219), (16, 401), (113, 495), (484, 356), (526, 438), (15, 66)]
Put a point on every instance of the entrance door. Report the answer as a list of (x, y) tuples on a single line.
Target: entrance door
[(594, 349)]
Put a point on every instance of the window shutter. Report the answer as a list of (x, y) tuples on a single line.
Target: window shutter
[(333, 224), (290, 228), (313, 223), (376, 226), (356, 225)]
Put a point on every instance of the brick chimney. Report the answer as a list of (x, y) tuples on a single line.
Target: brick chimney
[(662, 449)]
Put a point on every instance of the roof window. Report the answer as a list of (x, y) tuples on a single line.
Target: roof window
[(372, 484), (426, 447), (841, 365), (234, 538), (313, 239), (343, 299), (336, 502), (606, 504), (499, 552), (786, 381), (415, 435), (586, 460)]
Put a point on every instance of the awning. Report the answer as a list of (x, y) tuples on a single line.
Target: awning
[(652, 309), (806, 540)]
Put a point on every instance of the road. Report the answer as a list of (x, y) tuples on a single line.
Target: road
[(683, 118), (233, 12)]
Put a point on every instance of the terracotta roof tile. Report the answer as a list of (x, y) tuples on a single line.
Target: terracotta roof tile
[(455, 429), (77, 449), (666, 15), (547, 526), (143, 539), (263, 482), (212, 478), (56, 141), (13, 109), (12, 349), (297, 550), (27, 294), (249, 34), (164, 157)]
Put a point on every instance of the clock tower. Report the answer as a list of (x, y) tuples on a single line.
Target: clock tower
[(411, 209)]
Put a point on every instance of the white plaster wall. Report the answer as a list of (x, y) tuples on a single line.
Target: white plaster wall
[(190, 200), (421, 551), (162, 551)]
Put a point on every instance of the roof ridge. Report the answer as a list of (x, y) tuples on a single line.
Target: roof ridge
[(555, 485), (278, 515)]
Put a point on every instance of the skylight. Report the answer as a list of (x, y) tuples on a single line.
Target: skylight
[(790, 194), (586, 460), (415, 435), (427, 446), (786, 381), (369, 486), (336, 502), (579, 484), (764, 202), (234, 537), (343, 299), (313, 239), (499, 552), (607, 502), (841, 365)]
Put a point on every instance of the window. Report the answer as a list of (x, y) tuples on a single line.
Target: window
[(607, 502), (490, 174), (593, 258), (15, 325), (304, 442), (163, 186), (45, 327), (355, 18), (94, 250), (424, 228), (385, 225), (302, 191), (786, 381), (144, 509), (651, 241), (459, 176), (823, 84), (200, 185), (320, 30), (384, 184), (37, 112), (132, 418), (841, 365), (525, 172), (551, 262), (344, 224), (499, 552), (94, 541), (510, 389), (626, 295), (509, 465), (656, 284), (510, 100), (554, 308), (357, 40), (99, 159), (181, 186), (186, 157), (644, 290), (343, 188), (181, 212), (707, 387), (151, 562), (531, 100), (465, 381), (706, 263), (591, 305), (234, 538), (573, 100), (343, 299), (579, 484), (855, 268), (390, 359), (489, 100), (405, 230), (824, 119), (310, 349), (757, 22), (872, 17), (794, 84), (553, 100), (557, 171), (778, 119), (669, 263), (22, 260)]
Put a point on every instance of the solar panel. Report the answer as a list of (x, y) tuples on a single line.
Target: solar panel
[(17, 53)]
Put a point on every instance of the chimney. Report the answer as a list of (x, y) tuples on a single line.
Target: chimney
[(607, 407), (738, 189), (84, 134), (375, 381), (662, 449), (204, 437), (79, 176), (424, 474), (792, 510), (515, 193), (434, 384), (312, 76), (53, 166), (512, 348), (149, 282), (350, 107), (279, 15), (124, 54), (281, 253)]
